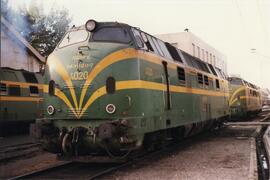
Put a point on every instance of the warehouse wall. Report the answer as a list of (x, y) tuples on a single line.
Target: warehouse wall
[(15, 55)]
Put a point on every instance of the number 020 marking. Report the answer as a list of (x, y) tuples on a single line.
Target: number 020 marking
[(79, 75)]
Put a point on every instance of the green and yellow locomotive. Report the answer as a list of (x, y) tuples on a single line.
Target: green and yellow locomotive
[(111, 89), (245, 98), (21, 98)]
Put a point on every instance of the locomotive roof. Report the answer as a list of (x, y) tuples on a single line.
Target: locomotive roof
[(112, 24), (246, 82), (21, 70), (200, 65), (18, 75), (101, 24)]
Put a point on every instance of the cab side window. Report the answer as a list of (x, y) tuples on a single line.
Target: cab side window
[(158, 47), (138, 39), (3, 89), (217, 84), (200, 78), (174, 53), (181, 75), (147, 42), (164, 49), (33, 90), (14, 90), (206, 81), (150, 40)]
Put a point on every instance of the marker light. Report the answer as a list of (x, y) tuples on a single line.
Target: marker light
[(110, 108), (90, 25), (50, 110)]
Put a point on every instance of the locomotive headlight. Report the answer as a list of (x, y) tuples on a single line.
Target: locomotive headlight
[(50, 110), (90, 25), (110, 108)]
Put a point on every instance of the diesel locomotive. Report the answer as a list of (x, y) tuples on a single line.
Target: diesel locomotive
[(245, 98), (111, 89), (21, 98)]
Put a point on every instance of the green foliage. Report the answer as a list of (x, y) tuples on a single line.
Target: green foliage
[(43, 31), (48, 30)]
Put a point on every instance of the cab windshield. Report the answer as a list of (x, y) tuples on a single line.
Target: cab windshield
[(236, 81), (73, 37), (112, 34)]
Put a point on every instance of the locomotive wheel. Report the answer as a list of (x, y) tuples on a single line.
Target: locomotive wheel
[(114, 152), (67, 146)]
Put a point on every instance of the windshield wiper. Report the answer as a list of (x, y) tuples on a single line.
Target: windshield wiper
[(68, 38)]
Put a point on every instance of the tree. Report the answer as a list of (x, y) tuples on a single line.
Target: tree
[(48, 30), (42, 31)]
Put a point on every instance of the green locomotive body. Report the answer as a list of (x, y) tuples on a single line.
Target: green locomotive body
[(114, 88), (245, 98), (21, 97)]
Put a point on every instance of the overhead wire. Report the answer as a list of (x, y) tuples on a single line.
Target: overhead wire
[(262, 24), (242, 22), (248, 39)]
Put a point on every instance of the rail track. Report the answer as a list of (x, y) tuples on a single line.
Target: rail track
[(75, 170), (18, 150)]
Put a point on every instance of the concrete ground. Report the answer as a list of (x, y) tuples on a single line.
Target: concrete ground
[(226, 154)]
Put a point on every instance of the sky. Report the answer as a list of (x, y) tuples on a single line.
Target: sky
[(233, 27)]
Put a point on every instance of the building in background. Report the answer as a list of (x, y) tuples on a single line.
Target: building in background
[(193, 45), (16, 52)]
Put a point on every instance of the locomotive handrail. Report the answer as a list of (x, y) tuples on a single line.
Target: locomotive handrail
[(69, 87), (129, 100), (84, 48), (247, 123), (86, 85)]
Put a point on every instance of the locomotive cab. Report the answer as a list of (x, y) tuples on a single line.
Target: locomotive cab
[(75, 65)]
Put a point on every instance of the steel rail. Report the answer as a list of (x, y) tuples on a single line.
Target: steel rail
[(259, 122), (33, 173), (99, 173)]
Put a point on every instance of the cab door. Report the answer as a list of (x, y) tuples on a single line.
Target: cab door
[(167, 94)]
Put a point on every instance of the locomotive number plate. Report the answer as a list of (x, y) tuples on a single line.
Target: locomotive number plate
[(79, 75)]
